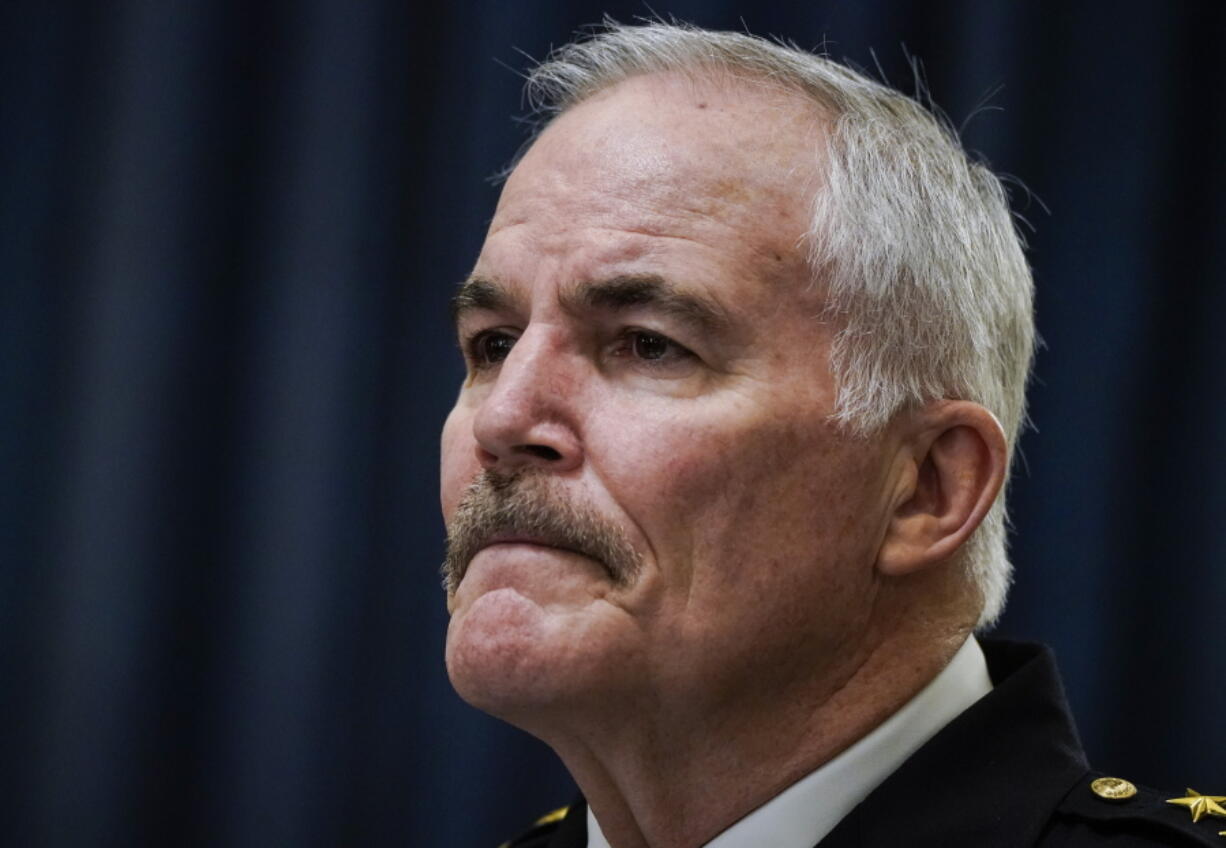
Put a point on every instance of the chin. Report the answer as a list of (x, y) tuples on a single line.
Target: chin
[(534, 666), (500, 655)]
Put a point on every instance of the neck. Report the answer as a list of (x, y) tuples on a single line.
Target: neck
[(672, 777)]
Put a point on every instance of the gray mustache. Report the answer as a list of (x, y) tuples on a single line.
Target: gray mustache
[(527, 503)]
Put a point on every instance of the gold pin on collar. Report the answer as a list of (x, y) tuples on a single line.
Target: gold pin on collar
[(1113, 789)]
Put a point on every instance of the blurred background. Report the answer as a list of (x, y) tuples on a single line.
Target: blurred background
[(228, 234)]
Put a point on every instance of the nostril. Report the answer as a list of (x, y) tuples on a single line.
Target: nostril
[(542, 452)]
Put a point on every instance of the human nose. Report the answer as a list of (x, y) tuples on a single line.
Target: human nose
[(527, 419)]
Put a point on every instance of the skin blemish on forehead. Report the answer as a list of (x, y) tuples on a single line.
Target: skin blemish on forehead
[(731, 191)]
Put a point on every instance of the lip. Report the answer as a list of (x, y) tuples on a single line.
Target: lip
[(522, 542), (513, 539)]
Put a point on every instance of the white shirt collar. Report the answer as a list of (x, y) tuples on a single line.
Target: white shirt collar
[(805, 812)]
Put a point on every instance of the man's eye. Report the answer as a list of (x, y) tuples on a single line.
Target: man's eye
[(649, 346), (654, 348), (490, 347)]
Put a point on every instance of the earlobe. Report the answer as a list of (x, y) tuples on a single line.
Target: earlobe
[(955, 467)]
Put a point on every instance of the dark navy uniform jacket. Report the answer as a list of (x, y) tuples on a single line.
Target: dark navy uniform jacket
[(1007, 772)]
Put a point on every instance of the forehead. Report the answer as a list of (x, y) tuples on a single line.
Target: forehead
[(725, 164)]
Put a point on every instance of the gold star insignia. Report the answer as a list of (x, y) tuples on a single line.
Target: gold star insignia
[(558, 815), (1199, 804)]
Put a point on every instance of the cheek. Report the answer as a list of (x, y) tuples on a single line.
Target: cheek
[(725, 497), (687, 481), (723, 465)]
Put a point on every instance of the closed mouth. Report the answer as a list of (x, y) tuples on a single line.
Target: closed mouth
[(512, 538), (516, 539)]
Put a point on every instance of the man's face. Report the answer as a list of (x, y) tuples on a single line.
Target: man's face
[(645, 419)]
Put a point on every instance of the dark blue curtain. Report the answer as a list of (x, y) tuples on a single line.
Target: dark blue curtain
[(228, 233)]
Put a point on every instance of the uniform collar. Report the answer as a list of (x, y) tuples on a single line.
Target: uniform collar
[(809, 809), (993, 776)]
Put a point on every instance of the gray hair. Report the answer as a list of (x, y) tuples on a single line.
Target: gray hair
[(911, 239)]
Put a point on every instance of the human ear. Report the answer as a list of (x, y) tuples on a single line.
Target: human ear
[(953, 464)]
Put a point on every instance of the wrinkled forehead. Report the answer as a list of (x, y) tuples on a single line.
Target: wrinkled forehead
[(677, 146)]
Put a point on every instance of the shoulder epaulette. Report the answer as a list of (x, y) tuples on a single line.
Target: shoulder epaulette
[(538, 835), (1112, 804)]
